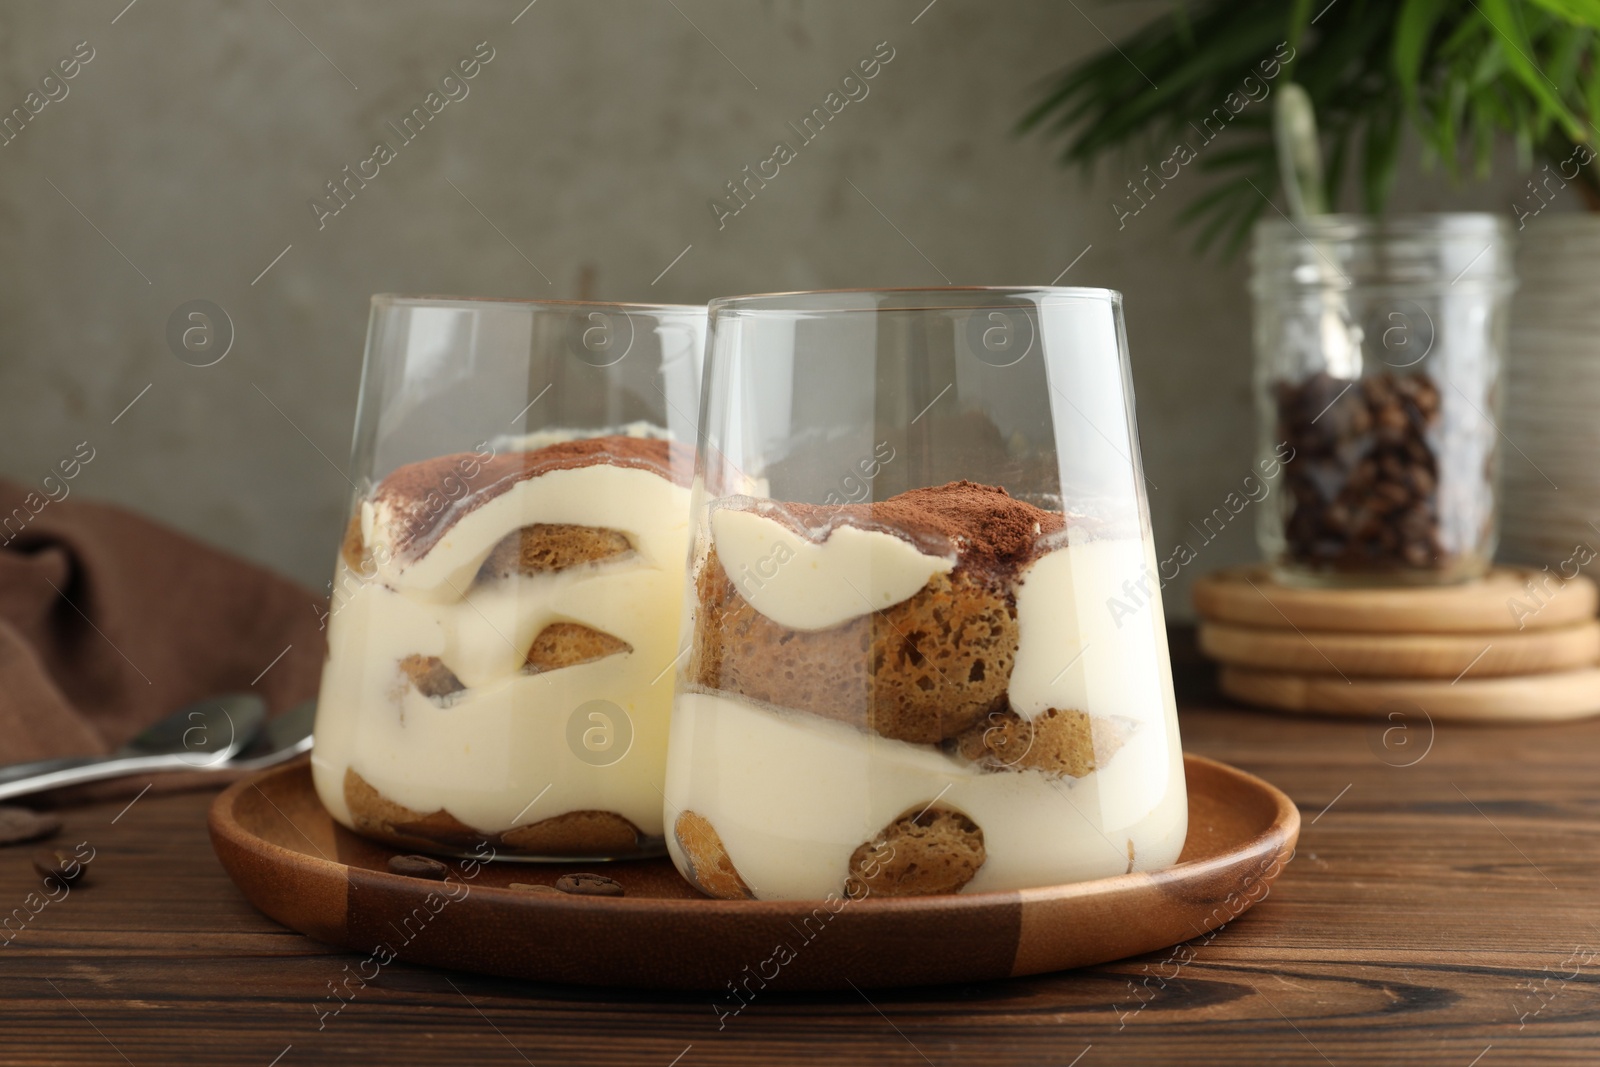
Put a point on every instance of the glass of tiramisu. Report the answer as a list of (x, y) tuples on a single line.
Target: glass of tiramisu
[(504, 611), (925, 650)]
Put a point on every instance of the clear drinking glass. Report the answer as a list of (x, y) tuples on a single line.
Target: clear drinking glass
[(505, 605), (1379, 347), (925, 650)]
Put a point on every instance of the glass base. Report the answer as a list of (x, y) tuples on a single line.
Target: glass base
[(517, 857), (492, 851)]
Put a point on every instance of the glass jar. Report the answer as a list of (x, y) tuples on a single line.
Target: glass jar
[(1379, 345), (925, 650), (505, 605)]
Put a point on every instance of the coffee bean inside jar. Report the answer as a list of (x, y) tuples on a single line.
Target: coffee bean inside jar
[(1363, 481)]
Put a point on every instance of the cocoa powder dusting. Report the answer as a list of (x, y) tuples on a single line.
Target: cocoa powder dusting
[(431, 496)]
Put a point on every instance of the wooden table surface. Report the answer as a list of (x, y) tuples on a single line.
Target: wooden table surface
[(1442, 909)]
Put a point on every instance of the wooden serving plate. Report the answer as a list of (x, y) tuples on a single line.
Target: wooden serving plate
[(1500, 602), (292, 861)]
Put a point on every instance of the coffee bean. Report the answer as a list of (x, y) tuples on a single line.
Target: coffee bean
[(589, 885), (58, 863), (23, 824), (419, 867), (1364, 480)]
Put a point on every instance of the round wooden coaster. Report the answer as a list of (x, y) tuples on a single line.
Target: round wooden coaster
[(1447, 656), (1519, 698), (1507, 599), (281, 847)]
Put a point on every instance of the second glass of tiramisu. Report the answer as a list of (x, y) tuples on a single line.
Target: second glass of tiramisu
[(925, 649), (504, 611)]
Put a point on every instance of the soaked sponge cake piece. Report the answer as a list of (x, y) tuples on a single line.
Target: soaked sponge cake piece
[(1056, 742), (567, 644), (573, 833), (935, 849), (430, 676), (923, 670), (710, 869), (547, 547)]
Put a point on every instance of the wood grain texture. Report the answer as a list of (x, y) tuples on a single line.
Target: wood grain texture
[(1507, 600), (1432, 911), (1529, 698), (663, 935), (1446, 656)]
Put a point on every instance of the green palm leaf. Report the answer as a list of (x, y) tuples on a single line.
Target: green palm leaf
[(1463, 74)]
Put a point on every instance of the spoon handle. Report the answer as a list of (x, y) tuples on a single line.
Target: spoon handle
[(21, 779)]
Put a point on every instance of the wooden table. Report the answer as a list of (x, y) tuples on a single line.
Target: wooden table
[(1442, 912)]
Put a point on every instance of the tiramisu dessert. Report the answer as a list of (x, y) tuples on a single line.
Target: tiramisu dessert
[(500, 647), (925, 694)]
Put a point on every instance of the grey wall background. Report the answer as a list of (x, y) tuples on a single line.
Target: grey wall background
[(181, 163)]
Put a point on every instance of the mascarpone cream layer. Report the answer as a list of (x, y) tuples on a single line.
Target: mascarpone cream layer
[(793, 795), (492, 749), (803, 584), (1083, 641)]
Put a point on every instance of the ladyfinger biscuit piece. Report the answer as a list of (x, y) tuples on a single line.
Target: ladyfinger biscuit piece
[(430, 676), (567, 644), (545, 547), (710, 869), (1058, 741), (576, 833), (375, 814), (573, 833), (925, 851)]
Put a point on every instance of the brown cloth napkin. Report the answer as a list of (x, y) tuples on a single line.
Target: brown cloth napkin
[(110, 622)]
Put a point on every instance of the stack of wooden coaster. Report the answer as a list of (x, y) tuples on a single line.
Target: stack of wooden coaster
[(1518, 645)]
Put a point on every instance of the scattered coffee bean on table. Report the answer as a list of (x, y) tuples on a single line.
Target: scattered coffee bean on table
[(58, 863), (589, 885), (18, 825), (1364, 477), (419, 867)]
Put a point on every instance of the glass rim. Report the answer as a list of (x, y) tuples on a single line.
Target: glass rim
[(389, 300), (793, 301)]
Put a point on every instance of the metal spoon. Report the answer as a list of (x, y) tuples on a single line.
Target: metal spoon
[(203, 736), (282, 739)]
